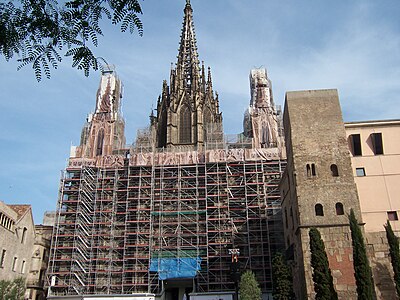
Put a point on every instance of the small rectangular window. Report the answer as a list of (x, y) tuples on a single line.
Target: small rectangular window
[(377, 143), (23, 267), (3, 256), (392, 215), (23, 238), (356, 144), (14, 265), (360, 172)]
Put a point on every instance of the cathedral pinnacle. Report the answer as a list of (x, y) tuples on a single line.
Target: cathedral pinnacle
[(187, 108), (188, 62)]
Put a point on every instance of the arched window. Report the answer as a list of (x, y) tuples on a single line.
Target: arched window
[(319, 209), (14, 264), (334, 170), (308, 168), (185, 125), (100, 142), (339, 209), (313, 172), (23, 237)]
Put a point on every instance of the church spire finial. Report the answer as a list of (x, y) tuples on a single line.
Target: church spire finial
[(188, 62), (188, 106)]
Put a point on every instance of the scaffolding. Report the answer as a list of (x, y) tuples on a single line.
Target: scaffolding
[(127, 229)]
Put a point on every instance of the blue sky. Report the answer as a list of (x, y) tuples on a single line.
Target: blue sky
[(353, 46)]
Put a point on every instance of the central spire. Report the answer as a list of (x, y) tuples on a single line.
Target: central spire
[(188, 61), (188, 107)]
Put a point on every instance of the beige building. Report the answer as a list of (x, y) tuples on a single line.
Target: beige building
[(17, 236), (24, 247), (375, 155)]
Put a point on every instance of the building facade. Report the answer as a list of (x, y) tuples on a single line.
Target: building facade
[(375, 155), (36, 283), (17, 233), (181, 210), (24, 249), (172, 214), (318, 188), (325, 178)]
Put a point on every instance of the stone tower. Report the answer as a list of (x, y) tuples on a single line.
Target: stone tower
[(104, 130), (187, 110), (318, 189), (262, 119)]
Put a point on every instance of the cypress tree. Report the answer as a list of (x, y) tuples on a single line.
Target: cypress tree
[(362, 270), (281, 278), (248, 287), (394, 251), (322, 277)]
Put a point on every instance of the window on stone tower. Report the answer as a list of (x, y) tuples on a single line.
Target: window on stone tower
[(185, 125), (339, 209), (319, 210), (308, 168), (355, 140), (334, 170), (377, 143), (311, 170), (100, 142)]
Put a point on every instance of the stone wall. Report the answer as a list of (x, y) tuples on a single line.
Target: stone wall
[(17, 243), (321, 188), (378, 252)]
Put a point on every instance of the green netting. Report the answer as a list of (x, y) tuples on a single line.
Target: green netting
[(178, 253)]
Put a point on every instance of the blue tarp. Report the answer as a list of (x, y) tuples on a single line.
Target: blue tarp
[(168, 268)]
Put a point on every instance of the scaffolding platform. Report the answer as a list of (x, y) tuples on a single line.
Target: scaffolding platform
[(126, 228)]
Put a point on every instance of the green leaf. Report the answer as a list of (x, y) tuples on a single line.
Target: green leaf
[(38, 31)]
